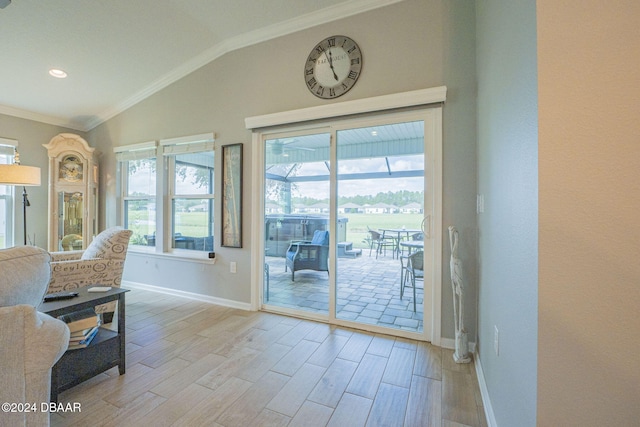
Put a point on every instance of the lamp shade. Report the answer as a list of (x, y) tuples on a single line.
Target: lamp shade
[(19, 175)]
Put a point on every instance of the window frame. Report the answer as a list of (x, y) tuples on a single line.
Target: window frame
[(8, 148), (171, 148), (125, 154)]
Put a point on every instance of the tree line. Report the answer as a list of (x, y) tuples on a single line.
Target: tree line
[(396, 198)]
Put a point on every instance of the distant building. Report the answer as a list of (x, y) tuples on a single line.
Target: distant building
[(350, 208), (318, 208), (271, 208), (411, 208), (380, 208)]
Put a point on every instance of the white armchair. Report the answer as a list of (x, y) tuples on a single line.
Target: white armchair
[(31, 342), (102, 263)]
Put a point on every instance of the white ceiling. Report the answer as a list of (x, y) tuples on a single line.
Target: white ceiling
[(118, 52)]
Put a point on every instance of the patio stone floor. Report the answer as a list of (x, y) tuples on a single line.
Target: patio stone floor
[(368, 291)]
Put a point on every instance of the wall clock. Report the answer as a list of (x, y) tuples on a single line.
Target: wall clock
[(333, 67)]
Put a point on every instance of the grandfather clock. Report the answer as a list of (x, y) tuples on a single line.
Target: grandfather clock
[(73, 192)]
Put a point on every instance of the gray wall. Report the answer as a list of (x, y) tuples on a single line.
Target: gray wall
[(411, 45), (508, 228), (31, 135)]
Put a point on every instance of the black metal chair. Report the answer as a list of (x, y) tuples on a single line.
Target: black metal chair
[(309, 255), (414, 270), (381, 242)]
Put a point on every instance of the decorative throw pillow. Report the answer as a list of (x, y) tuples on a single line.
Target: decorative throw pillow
[(111, 243)]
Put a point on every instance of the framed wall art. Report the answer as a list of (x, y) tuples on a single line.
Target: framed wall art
[(232, 196)]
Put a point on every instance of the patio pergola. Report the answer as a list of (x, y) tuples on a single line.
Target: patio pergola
[(285, 158)]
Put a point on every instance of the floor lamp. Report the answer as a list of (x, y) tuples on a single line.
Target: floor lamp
[(18, 175)]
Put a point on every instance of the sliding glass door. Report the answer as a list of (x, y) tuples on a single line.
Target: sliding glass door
[(347, 209)]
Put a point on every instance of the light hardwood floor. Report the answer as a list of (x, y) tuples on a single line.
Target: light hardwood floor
[(196, 364)]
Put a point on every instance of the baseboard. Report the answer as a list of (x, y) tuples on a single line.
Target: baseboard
[(191, 295), (484, 392)]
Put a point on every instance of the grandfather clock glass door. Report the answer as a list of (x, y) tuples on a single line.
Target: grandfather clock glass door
[(70, 220)]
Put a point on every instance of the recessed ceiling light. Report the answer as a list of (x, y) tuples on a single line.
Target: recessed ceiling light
[(59, 74), (374, 133)]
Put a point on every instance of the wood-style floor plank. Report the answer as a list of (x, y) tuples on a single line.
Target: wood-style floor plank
[(291, 397), (389, 406), (191, 363), (332, 385), (424, 407), (253, 401), (399, 368), (459, 402), (351, 411), (311, 415), (367, 377)]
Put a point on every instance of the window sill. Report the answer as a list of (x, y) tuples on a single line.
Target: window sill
[(179, 256)]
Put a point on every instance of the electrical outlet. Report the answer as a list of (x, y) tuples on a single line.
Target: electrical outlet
[(480, 203), (496, 340), (233, 267)]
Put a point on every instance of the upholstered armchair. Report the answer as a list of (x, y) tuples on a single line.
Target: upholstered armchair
[(30, 342), (309, 255), (102, 263)]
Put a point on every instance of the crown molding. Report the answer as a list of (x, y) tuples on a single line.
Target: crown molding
[(303, 22), (42, 118)]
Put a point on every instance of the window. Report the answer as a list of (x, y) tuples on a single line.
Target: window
[(167, 195), (190, 189), (137, 164), (7, 150)]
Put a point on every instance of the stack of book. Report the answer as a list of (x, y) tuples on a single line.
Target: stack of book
[(83, 325)]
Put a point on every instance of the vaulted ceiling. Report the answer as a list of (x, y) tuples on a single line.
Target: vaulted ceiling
[(118, 52)]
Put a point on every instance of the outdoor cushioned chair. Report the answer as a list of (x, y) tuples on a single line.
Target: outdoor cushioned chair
[(102, 263), (309, 255), (31, 342)]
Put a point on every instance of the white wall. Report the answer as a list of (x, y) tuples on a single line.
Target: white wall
[(414, 44), (508, 228), (589, 148)]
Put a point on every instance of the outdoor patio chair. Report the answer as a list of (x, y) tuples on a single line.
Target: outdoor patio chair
[(381, 242), (415, 237), (309, 255), (414, 270)]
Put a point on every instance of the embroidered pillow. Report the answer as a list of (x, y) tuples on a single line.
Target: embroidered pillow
[(111, 243)]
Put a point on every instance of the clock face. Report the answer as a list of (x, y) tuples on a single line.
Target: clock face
[(333, 67), (71, 169)]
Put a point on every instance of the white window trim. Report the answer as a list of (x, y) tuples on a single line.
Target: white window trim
[(170, 148), (433, 171), (125, 153), (9, 236)]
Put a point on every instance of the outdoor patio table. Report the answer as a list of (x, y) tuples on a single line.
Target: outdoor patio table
[(413, 245), (396, 235)]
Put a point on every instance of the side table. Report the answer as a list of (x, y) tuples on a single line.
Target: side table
[(104, 352)]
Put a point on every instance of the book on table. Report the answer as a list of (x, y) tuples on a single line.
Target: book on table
[(78, 336), (85, 342), (80, 321)]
